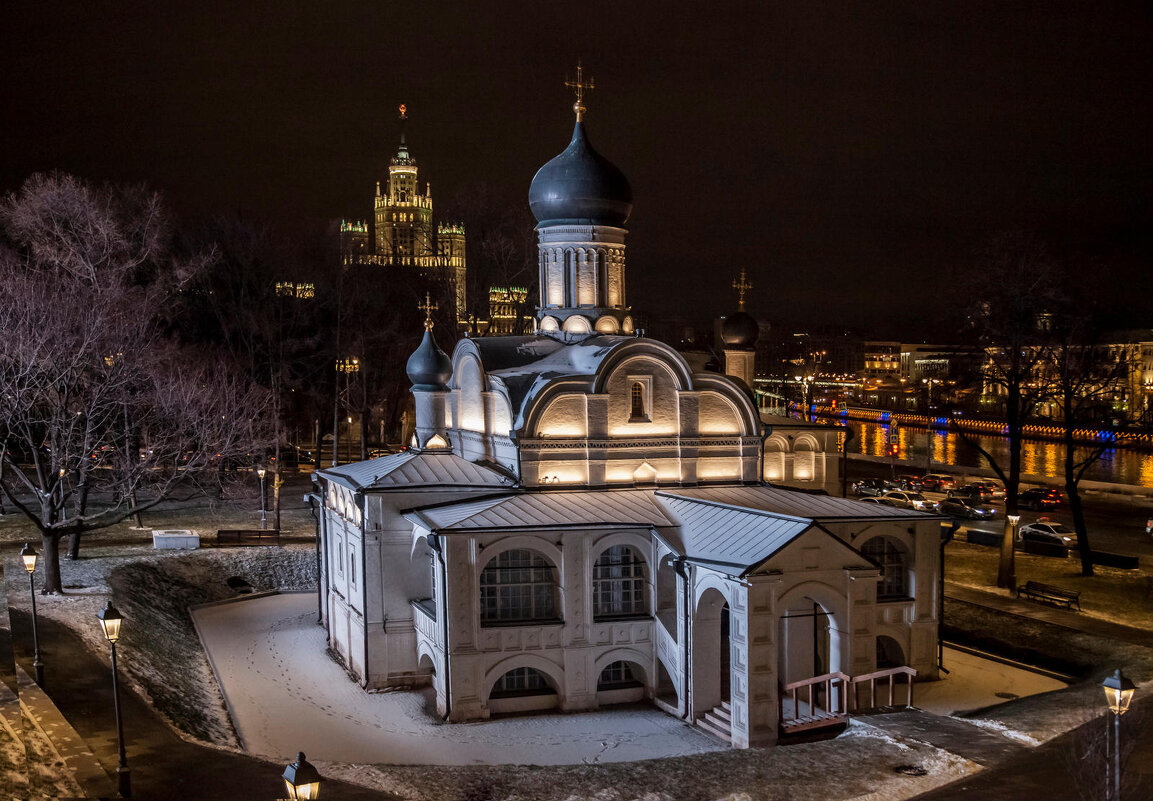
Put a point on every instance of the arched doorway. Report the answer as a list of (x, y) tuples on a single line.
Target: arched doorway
[(807, 647), (711, 657), (890, 654)]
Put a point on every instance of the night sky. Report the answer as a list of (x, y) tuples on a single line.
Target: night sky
[(854, 158)]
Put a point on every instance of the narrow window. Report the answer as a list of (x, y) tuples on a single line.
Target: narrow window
[(619, 588), (638, 403), (887, 553)]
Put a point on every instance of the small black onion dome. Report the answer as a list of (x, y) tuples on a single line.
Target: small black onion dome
[(429, 367), (740, 330), (580, 186)]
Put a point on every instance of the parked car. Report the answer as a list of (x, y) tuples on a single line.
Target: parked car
[(966, 508), (908, 500), (1038, 498), (1048, 531), (970, 492), (870, 486), (938, 482), (909, 482), (992, 489)]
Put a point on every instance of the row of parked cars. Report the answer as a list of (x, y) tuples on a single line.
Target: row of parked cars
[(969, 501)]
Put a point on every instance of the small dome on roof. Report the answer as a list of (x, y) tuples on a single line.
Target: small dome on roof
[(580, 186), (740, 330), (429, 368)]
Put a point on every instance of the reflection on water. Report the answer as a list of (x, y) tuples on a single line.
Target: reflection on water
[(1037, 457)]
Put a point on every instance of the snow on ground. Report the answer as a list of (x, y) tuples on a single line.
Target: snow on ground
[(287, 695), (974, 683)]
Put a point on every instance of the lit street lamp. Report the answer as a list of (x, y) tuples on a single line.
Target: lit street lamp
[(28, 554), (302, 780), (1118, 694), (260, 471), (110, 621)]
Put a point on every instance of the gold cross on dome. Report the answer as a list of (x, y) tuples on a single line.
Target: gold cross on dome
[(742, 286), (578, 86), (428, 307)]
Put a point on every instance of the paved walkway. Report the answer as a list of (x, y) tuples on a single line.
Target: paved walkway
[(950, 734)]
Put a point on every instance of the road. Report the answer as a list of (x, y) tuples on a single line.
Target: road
[(1115, 522)]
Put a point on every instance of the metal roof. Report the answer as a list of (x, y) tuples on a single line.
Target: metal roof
[(791, 502), (416, 469), (545, 510), (728, 536)]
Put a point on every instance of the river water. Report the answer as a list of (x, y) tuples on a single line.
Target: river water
[(1038, 457)]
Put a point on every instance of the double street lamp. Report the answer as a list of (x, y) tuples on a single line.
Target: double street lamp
[(28, 555), (110, 621), (1118, 694)]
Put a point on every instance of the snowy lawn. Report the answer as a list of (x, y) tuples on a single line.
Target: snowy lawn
[(1121, 596)]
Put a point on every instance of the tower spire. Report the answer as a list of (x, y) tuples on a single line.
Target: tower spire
[(402, 151), (579, 86), (742, 286)]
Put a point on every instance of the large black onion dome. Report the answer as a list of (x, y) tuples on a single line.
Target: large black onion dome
[(740, 330), (580, 186), (429, 367)]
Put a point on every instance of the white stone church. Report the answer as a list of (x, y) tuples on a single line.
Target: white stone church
[(582, 520)]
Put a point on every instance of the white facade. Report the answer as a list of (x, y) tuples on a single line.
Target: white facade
[(597, 531)]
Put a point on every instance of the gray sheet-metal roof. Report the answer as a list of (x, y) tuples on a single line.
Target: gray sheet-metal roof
[(416, 469), (544, 510), (797, 504), (724, 535)]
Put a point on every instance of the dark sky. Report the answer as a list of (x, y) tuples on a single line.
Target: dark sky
[(854, 157)]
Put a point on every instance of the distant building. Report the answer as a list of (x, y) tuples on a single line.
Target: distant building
[(504, 309), (404, 235)]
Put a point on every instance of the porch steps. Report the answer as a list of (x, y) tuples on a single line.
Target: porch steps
[(718, 722)]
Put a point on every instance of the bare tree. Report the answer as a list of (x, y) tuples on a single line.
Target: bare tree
[(1089, 375), (103, 416), (1016, 291)]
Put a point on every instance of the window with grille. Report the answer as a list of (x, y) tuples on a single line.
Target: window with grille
[(616, 676), (638, 401), (517, 586), (894, 582), (521, 681), (619, 583)]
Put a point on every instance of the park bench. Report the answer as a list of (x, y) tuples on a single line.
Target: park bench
[(1039, 591), (248, 536)]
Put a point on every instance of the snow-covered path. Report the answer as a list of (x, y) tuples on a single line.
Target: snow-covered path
[(287, 695)]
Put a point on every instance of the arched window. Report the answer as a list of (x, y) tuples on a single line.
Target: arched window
[(617, 676), (891, 556), (637, 394), (619, 583), (521, 681), (517, 586)]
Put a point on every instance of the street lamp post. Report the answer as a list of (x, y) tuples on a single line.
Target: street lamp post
[(260, 471), (28, 554), (302, 780), (1118, 694), (110, 620), (1007, 569)]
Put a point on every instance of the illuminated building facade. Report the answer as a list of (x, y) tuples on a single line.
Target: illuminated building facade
[(580, 520), (404, 234)]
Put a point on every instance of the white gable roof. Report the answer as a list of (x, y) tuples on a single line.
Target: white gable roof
[(415, 468)]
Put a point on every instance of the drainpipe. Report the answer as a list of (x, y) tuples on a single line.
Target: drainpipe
[(361, 505), (682, 569), (442, 610), (316, 505), (766, 432)]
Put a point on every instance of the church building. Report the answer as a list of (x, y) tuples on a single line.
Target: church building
[(582, 520)]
